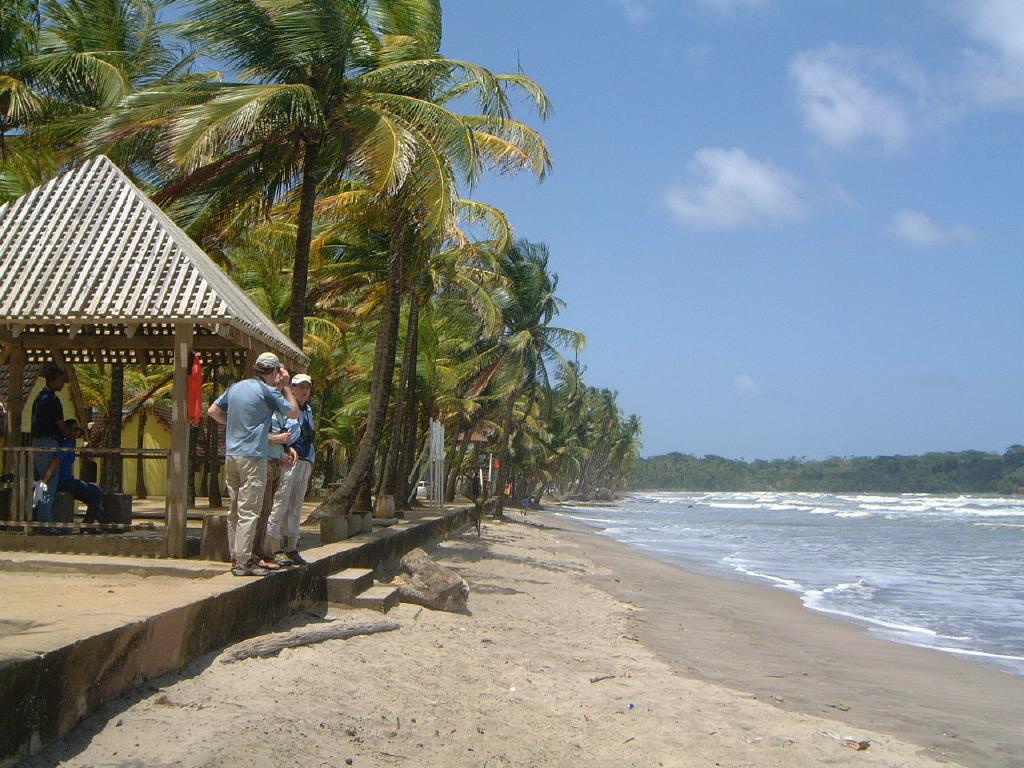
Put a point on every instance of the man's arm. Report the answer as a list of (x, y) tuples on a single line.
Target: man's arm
[(217, 413), (284, 384), (52, 469)]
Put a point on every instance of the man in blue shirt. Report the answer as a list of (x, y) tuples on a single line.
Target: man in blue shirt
[(286, 512), (47, 428), (246, 409), (90, 493)]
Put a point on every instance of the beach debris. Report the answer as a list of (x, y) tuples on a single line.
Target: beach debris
[(848, 741), (631, 738), (840, 707), (599, 678), (431, 585), (165, 701), (271, 645)]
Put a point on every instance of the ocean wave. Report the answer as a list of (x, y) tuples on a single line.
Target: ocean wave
[(855, 513), (737, 565)]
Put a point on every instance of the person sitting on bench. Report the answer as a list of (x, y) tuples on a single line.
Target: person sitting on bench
[(90, 493)]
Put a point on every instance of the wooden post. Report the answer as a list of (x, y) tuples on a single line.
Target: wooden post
[(15, 407), (178, 464)]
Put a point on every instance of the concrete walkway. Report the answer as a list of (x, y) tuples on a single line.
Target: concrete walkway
[(75, 631)]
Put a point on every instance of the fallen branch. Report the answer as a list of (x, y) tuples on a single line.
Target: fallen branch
[(599, 678), (271, 645)]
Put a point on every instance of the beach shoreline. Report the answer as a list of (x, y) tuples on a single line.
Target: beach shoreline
[(570, 656), (756, 638)]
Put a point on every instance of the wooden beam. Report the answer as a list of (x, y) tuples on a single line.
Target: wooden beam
[(119, 343), (15, 407), (178, 465)]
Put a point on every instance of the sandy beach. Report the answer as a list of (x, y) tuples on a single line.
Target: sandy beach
[(578, 651)]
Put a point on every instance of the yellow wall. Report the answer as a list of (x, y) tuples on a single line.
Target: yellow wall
[(155, 436)]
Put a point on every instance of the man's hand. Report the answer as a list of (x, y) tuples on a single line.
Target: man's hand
[(284, 379), (281, 438), (289, 458)]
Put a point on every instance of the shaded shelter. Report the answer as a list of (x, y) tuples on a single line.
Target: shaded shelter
[(92, 271)]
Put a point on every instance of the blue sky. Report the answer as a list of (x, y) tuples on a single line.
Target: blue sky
[(787, 228)]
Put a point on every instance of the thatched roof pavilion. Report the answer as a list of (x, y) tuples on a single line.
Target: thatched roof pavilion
[(91, 270)]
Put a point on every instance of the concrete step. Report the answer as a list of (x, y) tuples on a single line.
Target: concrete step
[(381, 599), (344, 585)]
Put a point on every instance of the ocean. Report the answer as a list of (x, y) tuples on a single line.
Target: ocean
[(944, 572)]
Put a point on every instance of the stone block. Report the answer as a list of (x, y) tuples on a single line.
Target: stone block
[(342, 587), (381, 599), (64, 507), (118, 507), (214, 545), (333, 528)]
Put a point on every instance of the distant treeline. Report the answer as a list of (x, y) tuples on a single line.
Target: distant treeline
[(963, 472)]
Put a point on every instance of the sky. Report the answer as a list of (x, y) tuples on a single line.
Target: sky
[(786, 228)]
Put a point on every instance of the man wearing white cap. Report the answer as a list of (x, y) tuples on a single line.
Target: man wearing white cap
[(286, 513), (246, 409)]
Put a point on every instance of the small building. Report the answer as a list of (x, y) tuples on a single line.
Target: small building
[(92, 271)]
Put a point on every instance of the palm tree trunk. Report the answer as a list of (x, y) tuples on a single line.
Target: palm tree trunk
[(506, 453), (392, 463), (407, 450), (340, 502), (304, 236), (141, 491), (456, 468), (112, 467)]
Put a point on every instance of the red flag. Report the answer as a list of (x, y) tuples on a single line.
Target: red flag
[(195, 390)]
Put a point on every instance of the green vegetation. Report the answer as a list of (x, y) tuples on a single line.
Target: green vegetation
[(963, 472), (323, 151)]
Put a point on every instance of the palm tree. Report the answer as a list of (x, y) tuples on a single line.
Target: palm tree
[(328, 91), (529, 340)]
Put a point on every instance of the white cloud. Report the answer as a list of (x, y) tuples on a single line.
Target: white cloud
[(998, 23), (918, 229), (841, 107), (726, 188), (994, 73), (727, 7), (746, 386), (636, 11)]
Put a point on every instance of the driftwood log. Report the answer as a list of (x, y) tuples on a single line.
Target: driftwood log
[(271, 645)]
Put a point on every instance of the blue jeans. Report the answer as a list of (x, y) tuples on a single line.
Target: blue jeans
[(41, 461), (91, 494)]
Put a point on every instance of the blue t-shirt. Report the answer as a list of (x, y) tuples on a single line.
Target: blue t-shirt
[(303, 429), (279, 423), (67, 459), (249, 405), (46, 412)]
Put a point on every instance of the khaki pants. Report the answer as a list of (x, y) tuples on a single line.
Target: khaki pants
[(261, 546), (286, 513), (247, 477)]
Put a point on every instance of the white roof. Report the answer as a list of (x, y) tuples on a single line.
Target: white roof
[(88, 248)]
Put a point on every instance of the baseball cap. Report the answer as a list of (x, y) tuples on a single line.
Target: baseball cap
[(268, 360), (301, 378)]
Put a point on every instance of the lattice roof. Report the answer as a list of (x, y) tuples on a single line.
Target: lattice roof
[(88, 256)]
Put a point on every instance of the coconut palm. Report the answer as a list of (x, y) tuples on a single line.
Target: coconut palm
[(328, 91), (529, 342)]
